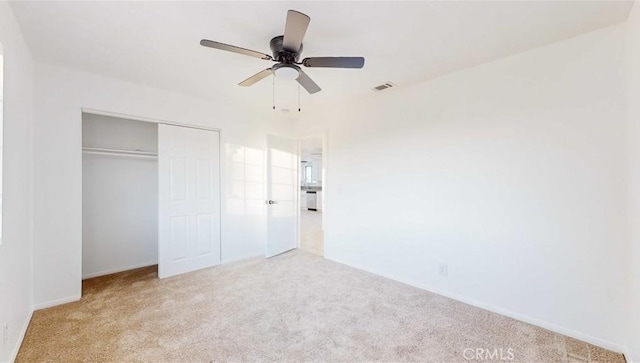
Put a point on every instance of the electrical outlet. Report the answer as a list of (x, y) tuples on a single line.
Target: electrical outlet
[(443, 269), (5, 333)]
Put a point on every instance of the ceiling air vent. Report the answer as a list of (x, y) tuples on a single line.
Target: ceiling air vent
[(383, 86)]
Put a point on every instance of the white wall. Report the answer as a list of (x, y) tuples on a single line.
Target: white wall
[(15, 252), (633, 100), (513, 173), (99, 131), (119, 196), (60, 95)]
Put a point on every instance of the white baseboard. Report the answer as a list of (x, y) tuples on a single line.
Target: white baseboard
[(51, 303), (151, 263), (23, 332), (69, 299), (118, 269), (533, 321), (496, 309), (630, 358)]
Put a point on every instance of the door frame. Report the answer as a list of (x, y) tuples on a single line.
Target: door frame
[(145, 119), (93, 111)]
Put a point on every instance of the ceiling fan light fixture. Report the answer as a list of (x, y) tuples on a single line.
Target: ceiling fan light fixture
[(286, 50), (286, 72)]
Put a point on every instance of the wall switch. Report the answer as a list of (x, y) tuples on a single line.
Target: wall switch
[(5, 333), (443, 269)]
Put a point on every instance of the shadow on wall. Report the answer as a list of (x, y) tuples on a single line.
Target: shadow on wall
[(245, 195)]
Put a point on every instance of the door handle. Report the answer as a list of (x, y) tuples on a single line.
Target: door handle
[(272, 202)]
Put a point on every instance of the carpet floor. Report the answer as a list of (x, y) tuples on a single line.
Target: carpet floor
[(311, 235), (294, 307)]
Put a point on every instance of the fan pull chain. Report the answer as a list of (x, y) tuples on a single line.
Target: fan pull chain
[(274, 92), (298, 98)]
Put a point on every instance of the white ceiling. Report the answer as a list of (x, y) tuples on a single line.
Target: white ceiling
[(311, 149), (157, 43)]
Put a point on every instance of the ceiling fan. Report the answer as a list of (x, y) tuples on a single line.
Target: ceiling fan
[(286, 52)]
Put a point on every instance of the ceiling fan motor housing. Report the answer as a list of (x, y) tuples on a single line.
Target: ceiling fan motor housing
[(281, 54)]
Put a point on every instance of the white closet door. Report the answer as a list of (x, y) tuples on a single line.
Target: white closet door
[(189, 199), (282, 190)]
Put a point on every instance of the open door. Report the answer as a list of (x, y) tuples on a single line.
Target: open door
[(189, 199), (282, 191)]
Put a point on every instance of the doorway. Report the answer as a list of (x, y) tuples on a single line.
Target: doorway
[(312, 176)]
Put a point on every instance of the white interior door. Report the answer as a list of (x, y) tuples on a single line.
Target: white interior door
[(189, 199), (282, 194)]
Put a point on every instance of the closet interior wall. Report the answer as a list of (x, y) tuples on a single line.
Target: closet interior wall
[(119, 194)]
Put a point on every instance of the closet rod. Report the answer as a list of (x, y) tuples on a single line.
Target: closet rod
[(117, 152)]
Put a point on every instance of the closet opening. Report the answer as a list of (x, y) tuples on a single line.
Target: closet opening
[(150, 198), (119, 195)]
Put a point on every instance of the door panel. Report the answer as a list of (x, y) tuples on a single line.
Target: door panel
[(205, 228), (178, 179), (204, 179), (189, 199), (282, 189), (178, 240)]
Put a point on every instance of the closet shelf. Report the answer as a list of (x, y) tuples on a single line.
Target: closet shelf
[(117, 152)]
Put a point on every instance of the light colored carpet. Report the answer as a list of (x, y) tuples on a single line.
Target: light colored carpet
[(311, 235), (294, 307)]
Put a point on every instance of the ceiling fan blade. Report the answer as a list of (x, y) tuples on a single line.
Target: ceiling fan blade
[(294, 30), (334, 62), (307, 83), (234, 49), (256, 77)]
